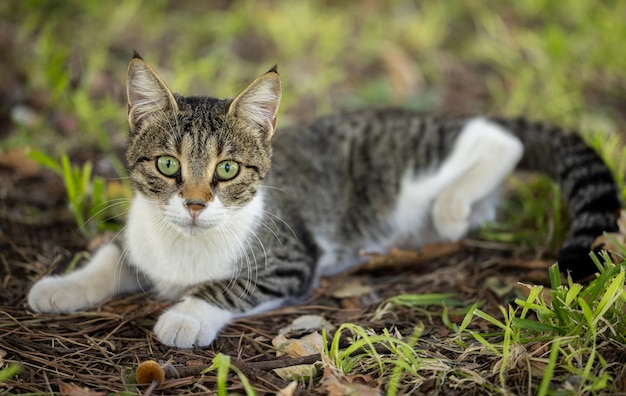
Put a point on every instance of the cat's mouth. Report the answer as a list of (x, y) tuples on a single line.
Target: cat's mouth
[(193, 221), (193, 226)]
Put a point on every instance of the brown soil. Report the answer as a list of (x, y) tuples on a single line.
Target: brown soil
[(100, 349)]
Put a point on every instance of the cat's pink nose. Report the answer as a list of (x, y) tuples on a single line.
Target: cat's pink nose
[(195, 207)]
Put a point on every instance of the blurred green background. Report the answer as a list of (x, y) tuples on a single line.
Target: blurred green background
[(64, 62)]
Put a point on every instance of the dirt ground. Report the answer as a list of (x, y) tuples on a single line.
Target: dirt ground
[(99, 349)]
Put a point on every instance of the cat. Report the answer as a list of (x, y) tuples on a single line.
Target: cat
[(218, 233)]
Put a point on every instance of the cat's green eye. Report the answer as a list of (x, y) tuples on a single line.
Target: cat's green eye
[(167, 165), (226, 170)]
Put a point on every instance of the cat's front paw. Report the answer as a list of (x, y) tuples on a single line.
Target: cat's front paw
[(191, 322), (56, 294)]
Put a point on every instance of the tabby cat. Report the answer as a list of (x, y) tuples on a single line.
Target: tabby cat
[(212, 229)]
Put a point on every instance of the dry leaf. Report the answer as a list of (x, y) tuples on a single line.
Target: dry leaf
[(68, 389), (308, 345), (605, 243), (335, 383), (308, 323), (538, 367), (352, 287), (289, 390), (298, 372), (19, 160)]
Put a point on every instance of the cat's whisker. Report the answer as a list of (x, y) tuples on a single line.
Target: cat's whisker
[(246, 250), (237, 271), (267, 186), (110, 205), (282, 221), (272, 231), (251, 286), (252, 272)]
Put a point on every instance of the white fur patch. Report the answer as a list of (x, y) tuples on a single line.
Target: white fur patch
[(215, 215), (103, 277), (191, 322), (442, 205), (175, 258), (468, 180)]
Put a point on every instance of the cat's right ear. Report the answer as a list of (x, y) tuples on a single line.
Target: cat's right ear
[(147, 93), (258, 103)]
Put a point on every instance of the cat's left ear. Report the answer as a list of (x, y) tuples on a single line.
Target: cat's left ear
[(258, 103), (147, 93)]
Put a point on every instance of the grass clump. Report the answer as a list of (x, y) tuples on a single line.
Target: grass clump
[(93, 202), (222, 364), (559, 331)]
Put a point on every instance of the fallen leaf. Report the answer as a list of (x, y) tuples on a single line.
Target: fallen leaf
[(336, 383), (538, 367), (19, 160), (308, 323), (351, 303), (289, 390), (299, 372), (68, 389), (353, 287), (308, 345), (603, 241), (195, 362)]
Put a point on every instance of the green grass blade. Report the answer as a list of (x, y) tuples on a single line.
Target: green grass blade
[(9, 372), (532, 325), (45, 161), (413, 300), (544, 386), (221, 363), (612, 294), (490, 319), (468, 318)]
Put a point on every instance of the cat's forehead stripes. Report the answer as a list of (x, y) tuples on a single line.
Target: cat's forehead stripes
[(198, 154)]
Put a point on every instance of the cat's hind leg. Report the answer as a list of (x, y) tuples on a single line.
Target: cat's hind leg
[(104, 276), (483, 156)]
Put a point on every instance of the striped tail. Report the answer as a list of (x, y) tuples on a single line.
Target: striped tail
[(584, 179)]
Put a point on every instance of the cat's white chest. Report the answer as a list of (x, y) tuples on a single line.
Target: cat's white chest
[(175, 261)]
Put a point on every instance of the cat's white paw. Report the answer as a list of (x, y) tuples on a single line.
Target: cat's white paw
[(57, 294), (451, 215), (191, 322)]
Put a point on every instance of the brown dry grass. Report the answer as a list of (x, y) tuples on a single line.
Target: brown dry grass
[(100, 349)]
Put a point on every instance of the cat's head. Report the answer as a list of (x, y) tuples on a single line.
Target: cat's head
[(200, 160)]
